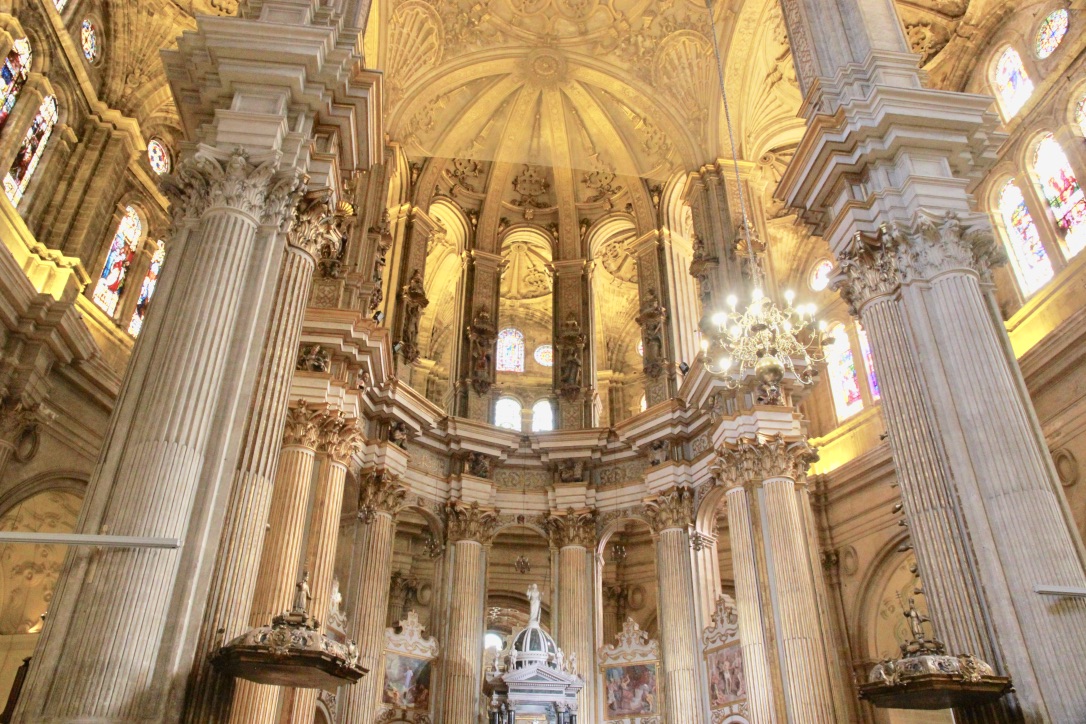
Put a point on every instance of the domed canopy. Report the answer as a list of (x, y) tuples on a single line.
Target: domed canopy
[(533, 645)]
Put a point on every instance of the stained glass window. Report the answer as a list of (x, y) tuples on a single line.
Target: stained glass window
[(1012, 83), (88, 39), (1051, 32), (1080, 115), (844, 382), (507, 413), (121, 250), (641, 347), (820, 276), (60, 4), (1028, 255), (13, 77), (158, 156), (644, 404), (869, 362), (146, 290), (542, 416), (29, 154), (544, 355), (510, 350), (1062, 191)]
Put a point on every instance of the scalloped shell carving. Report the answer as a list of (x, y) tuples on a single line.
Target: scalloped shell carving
[(415, 42)]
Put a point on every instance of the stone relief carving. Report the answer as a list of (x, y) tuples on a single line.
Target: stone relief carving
[(514, 478), (479, 465), (725, 626), (482, 334), (659, 452), (631, 645), (623, 472), (314, 358)]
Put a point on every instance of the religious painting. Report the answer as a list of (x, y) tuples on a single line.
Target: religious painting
[(727, 683), (630, 690), (407, 682)]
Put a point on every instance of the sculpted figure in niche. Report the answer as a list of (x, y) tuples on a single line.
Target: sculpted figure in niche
[(651, 319), (302, 596), (659, 452), (397, 434), (479, 465), (571, 343), (482, 333), (414, 298), (533, 605)]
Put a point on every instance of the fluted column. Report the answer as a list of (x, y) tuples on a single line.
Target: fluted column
[(380, 497), (672, 515), (751, 609), (574, 534), (278, 573), (238, 561), (470, 531), (115, 621), (340, 440)]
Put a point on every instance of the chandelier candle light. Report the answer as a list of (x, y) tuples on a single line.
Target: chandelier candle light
[(763, 339)]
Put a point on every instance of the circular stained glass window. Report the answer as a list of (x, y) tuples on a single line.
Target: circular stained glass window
[(544, 355), (158, 156), (88, 38), (1051, 32), (820, 276)]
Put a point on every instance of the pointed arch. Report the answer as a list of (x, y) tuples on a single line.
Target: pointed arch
[(31, 150)]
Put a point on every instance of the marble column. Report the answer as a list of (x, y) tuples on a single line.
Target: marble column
[(340, 440), (574, 534), (238, 561), (278, 572), (470, 531), (672, 515), (115, 621), (970, 452), (751, 608), (380, 497)]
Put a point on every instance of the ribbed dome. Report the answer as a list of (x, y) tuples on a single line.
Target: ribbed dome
[(533, 645)]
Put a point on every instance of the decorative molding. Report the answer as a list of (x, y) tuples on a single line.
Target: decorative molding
[(725, 627), (632, 646), (408, 640)]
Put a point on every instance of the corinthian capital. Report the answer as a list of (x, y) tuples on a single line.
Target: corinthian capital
[(380, 492), (757, 460), (867, 269), (340, 437), (210, 178), (471, 522), (573, 529), (319, 225), (673, 509), (303, 426), (941, 243)]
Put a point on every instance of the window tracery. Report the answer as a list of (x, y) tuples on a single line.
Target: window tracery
[(159, 157), (1028, 255), (147, 289), (844, 382), (30, 151), (542, 416), (1051, 32), (510, 350), (13, 77), (507, 413), (122, 249), (1062, 191), (1012, 84), (544, 355)]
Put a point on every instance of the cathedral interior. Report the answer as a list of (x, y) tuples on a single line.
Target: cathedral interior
[(565, 361)]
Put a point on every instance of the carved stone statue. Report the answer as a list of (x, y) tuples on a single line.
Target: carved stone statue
[(571, 343), (302, 596), (414, 300), (314, 359), (397, 434), (533, 605), (651, 319), (659, 452), (481, 332), (479, 465)]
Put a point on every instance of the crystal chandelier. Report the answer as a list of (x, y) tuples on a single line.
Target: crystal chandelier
[(762, 339)]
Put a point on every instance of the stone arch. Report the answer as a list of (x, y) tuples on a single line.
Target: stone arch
[(871, 586)]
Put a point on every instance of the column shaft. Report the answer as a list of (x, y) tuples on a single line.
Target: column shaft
[(369, 602), (575, 630), (464, 635), (680, 642), (238, 562), (748, 602), (804, 663), (254, 703), (110, 651)]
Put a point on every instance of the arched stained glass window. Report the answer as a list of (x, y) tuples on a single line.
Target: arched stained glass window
[(544, 355), (147, 289), (13, 77), (29, 154), (869, 362), (1051, 32), (820, 275), (510, 350), (1062, 192), (159, 156), (507, 413), (121, 251), (542, 416), (844, 382), (88, 39), (1012, 83), (1028, 256)]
